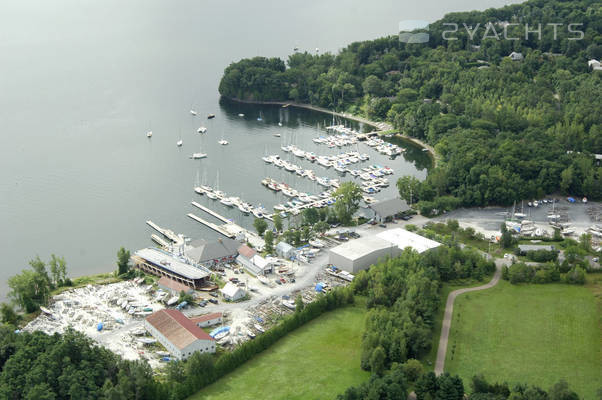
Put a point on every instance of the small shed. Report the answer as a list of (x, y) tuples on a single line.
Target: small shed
[(525, 248), (232, 292), (285, 250)]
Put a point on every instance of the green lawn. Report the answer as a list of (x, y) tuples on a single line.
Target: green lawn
[(534, 334), (318, 360)]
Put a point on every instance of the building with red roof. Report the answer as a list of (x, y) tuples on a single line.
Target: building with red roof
[(178, 334)]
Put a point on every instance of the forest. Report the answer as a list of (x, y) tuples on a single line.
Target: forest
[(504, 130)]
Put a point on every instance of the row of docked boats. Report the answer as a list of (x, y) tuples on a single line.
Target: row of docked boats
[(298, 200), (385, 148), (231, 201), (336, 140)]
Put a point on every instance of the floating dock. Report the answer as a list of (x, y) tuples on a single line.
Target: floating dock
[(215, 227), (168, 233), (228, 228), (211, 212)]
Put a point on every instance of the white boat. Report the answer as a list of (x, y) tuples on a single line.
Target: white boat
[(280, 207), (206, 188), (173, 300), (149, 134), (223, 142), (221, 335), (279, 123), (200, 154), (316, 243), (244, 208), (45, 310), (202, 129), (192, 112), (179, 143), (219, 194), (250, 334), (258, 213), (263, 279), (163, 353), (211, 195), (147, 340), (227, 201), (277, 135), (259, 328), (241, 115)]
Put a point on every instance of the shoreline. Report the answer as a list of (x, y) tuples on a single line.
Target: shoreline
[(379, 126)]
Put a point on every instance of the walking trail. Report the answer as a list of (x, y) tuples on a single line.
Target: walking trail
[(449, 310)]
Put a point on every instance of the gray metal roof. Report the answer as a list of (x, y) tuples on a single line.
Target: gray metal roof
[(388, 208), (205, 251), (535, 247), (168, 262)]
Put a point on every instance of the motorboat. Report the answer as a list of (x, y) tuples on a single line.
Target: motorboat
[(206, 188), (258, 212), (241, 115), (210, 116), (223, 142), (227, 201), (149, 134), (192, 112), (196, 156), (179, 143), (202, 129)]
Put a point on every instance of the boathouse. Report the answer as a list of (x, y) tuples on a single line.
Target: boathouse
[(161, 263)]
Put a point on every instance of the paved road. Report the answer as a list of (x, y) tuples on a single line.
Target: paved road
[(449, 310)]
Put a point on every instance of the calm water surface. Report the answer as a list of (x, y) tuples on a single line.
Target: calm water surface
[(82, 81)]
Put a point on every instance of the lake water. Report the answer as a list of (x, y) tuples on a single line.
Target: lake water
[(82, 81)]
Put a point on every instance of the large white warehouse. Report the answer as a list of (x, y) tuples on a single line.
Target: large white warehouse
[(180, 336), (403, 239), (356, 255)]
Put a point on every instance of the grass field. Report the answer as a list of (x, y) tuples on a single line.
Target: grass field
[(535, 334), (318, 360)]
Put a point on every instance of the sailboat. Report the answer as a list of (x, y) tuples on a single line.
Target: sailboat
[(223, 142), (179, 143), (192, 112), (197, 187), (149, 134), (218, 193), (199, 155)]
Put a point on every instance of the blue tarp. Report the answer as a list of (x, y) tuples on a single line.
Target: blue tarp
[(99, 326), (259, 319), (571, 200), (219, 330), (319, 287)]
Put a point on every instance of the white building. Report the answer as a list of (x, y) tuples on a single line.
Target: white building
[(402, 239), (356, 255), (253, 262), (514, 56), (178, 334), (232, 292), (206, 320), (594, 64)]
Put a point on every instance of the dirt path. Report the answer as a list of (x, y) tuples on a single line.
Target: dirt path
[(449, 310)]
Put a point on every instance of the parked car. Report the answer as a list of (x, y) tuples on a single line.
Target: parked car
[(277, 281), (382, 225), (213, 294), (214, 301)]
